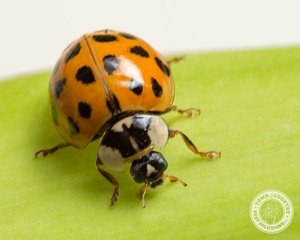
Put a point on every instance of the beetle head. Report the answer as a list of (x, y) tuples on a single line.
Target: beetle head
[(149, 169)]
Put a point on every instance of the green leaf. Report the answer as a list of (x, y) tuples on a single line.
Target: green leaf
[(250, 110)]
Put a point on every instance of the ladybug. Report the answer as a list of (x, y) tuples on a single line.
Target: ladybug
[(114, 85)]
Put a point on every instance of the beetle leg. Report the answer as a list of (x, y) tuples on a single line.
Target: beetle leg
[(192, 147), (189, 112), (145, 187), (111, 179), (175, 59), (174, 179), (45, 152)]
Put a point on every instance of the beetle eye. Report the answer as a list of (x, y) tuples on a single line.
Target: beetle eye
[(149, 168), (137, 172)]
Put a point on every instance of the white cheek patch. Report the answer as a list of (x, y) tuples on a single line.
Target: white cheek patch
[(158, 132), (118, 127), (150, 170), (134, 144), (111, 158)]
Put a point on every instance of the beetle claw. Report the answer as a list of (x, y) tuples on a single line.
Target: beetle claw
[(114, 197)]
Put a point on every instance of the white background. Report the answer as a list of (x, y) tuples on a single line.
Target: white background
[(34, 32)]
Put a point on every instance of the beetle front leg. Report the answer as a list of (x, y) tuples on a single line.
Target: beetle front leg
[(111, 179), (189, 112), (174, 179), (192, 147), (146, 186)]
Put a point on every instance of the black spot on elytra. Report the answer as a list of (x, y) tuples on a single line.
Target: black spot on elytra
[(58, 87), (73, 52), (136, 86), (113, 105), (138, 50), (117, 103), (104, 38), (109, 106), (162, 66), (74, 129), (156, 88), (111, 63), (127, 35), (85, 75), (84, 110)]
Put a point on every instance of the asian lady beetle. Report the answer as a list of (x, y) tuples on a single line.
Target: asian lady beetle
[(114, 85)]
